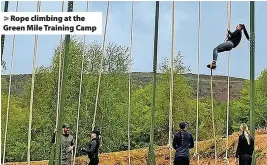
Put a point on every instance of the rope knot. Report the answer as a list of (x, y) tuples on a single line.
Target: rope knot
[(196, 155), (225, 160)]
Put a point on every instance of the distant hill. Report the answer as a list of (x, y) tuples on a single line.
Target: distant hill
[(142, 78), (219, 84)]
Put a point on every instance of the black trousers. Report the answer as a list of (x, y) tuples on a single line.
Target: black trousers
[(181, 161), (94, 161), (245, 161)]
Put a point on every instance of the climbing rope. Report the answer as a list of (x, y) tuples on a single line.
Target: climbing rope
[(213, 122), (129, 91), (59, 73), (198, 68), (32, 89), (101, 65), (80, 92), (229, 8), (171, 81), (9, 89)]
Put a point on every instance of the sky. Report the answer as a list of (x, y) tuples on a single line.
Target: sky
[(212, 32)]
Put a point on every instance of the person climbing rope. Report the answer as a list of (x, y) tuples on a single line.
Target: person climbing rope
[(245, 146), (93, 148), (67, 144), (182, 142), (232, 40)]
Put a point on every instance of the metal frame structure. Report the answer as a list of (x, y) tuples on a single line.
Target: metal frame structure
[(55, 156), (3, 36), (151, 154), (252, 73)]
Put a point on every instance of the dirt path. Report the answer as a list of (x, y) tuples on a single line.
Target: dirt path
[(138, 157)]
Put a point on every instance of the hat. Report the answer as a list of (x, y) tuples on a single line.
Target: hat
[(65, 125), (96, 132)]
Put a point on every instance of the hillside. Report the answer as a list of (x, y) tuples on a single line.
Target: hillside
[(206, 151), (142, 78), (219, 84)]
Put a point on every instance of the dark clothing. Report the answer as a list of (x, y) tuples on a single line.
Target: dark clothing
[(245, 161), (235, 37), (232, 41), (94, 161), (245, 151), (243, 148), (181, 161), (92, 151), (182, 142)]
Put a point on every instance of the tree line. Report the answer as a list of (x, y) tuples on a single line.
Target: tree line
[(112, 109)]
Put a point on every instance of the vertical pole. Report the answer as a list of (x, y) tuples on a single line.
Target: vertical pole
[(213, 120), (3, 36), (151, 154), (62, 101), (229, 10), (3, 65), (252, 73), (35, 48), (129, 86), (171, 82), (198, 69)]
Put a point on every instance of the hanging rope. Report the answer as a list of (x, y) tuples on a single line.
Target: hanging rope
[(171, 82), (101, 65), (59, 73), (32, 89), (229, 8), (80, 93), (213, 122), (198, 68), (9, 89), (129, 91)]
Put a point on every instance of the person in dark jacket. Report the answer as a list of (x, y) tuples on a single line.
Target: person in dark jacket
[(232, 40), (245, 146), (182, 142), (93, 148)]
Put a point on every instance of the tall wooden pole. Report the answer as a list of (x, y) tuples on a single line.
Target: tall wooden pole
[(252, 73), (151, 154)]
